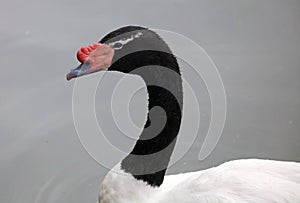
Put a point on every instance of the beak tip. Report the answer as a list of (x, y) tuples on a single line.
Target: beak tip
[(68, 77)]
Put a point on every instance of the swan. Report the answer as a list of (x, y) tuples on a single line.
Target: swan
[(140, 176)]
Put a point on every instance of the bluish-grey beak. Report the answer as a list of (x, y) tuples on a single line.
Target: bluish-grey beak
[(82, 69)]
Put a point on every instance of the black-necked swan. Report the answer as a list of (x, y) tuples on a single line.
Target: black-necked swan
[(140, 177)]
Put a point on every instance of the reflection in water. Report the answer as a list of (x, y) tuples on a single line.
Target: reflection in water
[(73, 184)]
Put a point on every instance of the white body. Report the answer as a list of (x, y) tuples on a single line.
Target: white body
[(248, 180)]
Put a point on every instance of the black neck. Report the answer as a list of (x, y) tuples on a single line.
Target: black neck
[(150, 156)]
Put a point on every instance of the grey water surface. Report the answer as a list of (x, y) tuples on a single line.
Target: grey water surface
[(254, 44)]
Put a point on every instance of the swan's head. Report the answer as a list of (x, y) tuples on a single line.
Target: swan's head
[(115, 45)]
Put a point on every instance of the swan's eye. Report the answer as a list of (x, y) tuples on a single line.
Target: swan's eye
[(117, 45)]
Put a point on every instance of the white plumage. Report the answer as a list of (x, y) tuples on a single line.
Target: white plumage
[(246, 180)]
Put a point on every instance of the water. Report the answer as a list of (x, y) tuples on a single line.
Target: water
[(256, 52)]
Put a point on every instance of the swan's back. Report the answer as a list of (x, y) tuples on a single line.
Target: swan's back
[(249, 180)]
